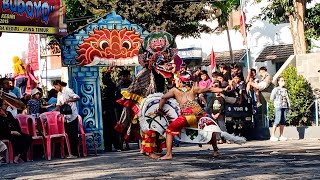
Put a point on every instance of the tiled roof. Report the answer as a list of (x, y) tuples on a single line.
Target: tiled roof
[(274, 52), (224, 57)]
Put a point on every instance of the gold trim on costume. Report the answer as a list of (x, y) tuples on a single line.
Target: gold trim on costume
[(132, 96)]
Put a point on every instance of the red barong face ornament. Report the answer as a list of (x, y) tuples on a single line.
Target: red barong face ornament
[(106, 47)]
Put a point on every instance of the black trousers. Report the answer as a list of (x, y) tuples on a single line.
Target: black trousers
[(71, 129), (110, 135), (21, 144)]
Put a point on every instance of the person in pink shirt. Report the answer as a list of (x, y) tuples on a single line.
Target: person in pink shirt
[(204, 83)]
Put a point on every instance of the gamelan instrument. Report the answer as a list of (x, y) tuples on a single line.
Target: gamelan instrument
[(12, 101)]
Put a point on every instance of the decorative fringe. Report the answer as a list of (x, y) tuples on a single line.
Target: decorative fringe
[(233, 138), (132, 96), (152, 143)]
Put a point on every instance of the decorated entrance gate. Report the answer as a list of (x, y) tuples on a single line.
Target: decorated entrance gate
[(111, 39)]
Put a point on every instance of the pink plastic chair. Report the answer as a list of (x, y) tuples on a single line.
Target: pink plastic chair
[(83, 140), (54, 129), (10, 150), (28, 126)]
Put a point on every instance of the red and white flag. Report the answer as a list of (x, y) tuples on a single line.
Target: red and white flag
[(212, 60), (243, 19)]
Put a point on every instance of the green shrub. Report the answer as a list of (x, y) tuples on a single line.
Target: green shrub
[(301, 99)]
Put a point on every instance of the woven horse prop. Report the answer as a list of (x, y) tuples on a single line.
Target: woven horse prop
[(149, 120)]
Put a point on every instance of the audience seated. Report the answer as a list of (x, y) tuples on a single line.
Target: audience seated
[(10, 129)]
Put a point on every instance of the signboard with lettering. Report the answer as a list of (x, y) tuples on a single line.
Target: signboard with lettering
[(33, 16), (238, 110)]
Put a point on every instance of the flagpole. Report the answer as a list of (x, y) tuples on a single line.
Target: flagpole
[(245, 33)]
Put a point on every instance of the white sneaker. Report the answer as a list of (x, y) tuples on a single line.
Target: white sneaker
[(282, 138), (274, 139)]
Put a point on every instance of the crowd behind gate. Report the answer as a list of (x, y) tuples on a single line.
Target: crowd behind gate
[(230, 77)]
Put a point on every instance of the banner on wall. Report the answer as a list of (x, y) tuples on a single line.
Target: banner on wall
[(33, 51), (33, 16)]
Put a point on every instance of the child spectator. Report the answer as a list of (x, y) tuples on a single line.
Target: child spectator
[(280, 98), (196, 75), (251, 77), (217, 110), (220, 78), (225, 72), (52, 99), (239, 87), (183, 68), (204, 83), (214, 77), (34, 105), (237, 69), (262, 85)]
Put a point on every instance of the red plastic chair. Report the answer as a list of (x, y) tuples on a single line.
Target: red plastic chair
[(10, 150), (28, 126), (83, 140), (53, 123)]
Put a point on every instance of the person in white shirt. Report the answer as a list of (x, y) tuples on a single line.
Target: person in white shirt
[(67, 96)]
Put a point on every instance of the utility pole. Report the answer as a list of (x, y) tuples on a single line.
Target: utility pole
[(230, 46), (245, 32)]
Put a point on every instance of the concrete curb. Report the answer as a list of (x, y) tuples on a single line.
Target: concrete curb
[(304, 132)]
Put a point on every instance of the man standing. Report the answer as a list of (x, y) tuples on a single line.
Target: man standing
[(67, 96), (262, 85), (191, 111), (111, 137), (15, 90)]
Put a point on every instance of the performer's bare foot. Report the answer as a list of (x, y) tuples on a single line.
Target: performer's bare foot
[(215, 154), (166, 157), (154, 156), (16, 159)]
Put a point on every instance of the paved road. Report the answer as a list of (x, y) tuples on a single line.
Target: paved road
[(294, 159)]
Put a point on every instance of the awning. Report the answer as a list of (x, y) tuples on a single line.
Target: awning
[(224, 57), (275, 52), (52, 74), (190, 53)]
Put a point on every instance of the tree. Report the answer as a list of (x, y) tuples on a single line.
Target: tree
[(312, 23), (226, 8), (178, 18), (77, 15), (278, 11)]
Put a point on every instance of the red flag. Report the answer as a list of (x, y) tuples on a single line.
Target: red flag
[(243, 27), (213, 61)]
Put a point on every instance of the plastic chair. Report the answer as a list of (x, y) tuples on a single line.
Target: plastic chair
[(28, 126), (10, 150), (53, 123), (83, 140)]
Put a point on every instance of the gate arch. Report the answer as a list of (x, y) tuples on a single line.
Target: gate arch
[(85, 80)]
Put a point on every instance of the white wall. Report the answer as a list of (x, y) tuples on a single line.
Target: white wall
[(11, 44), (260, 35)]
